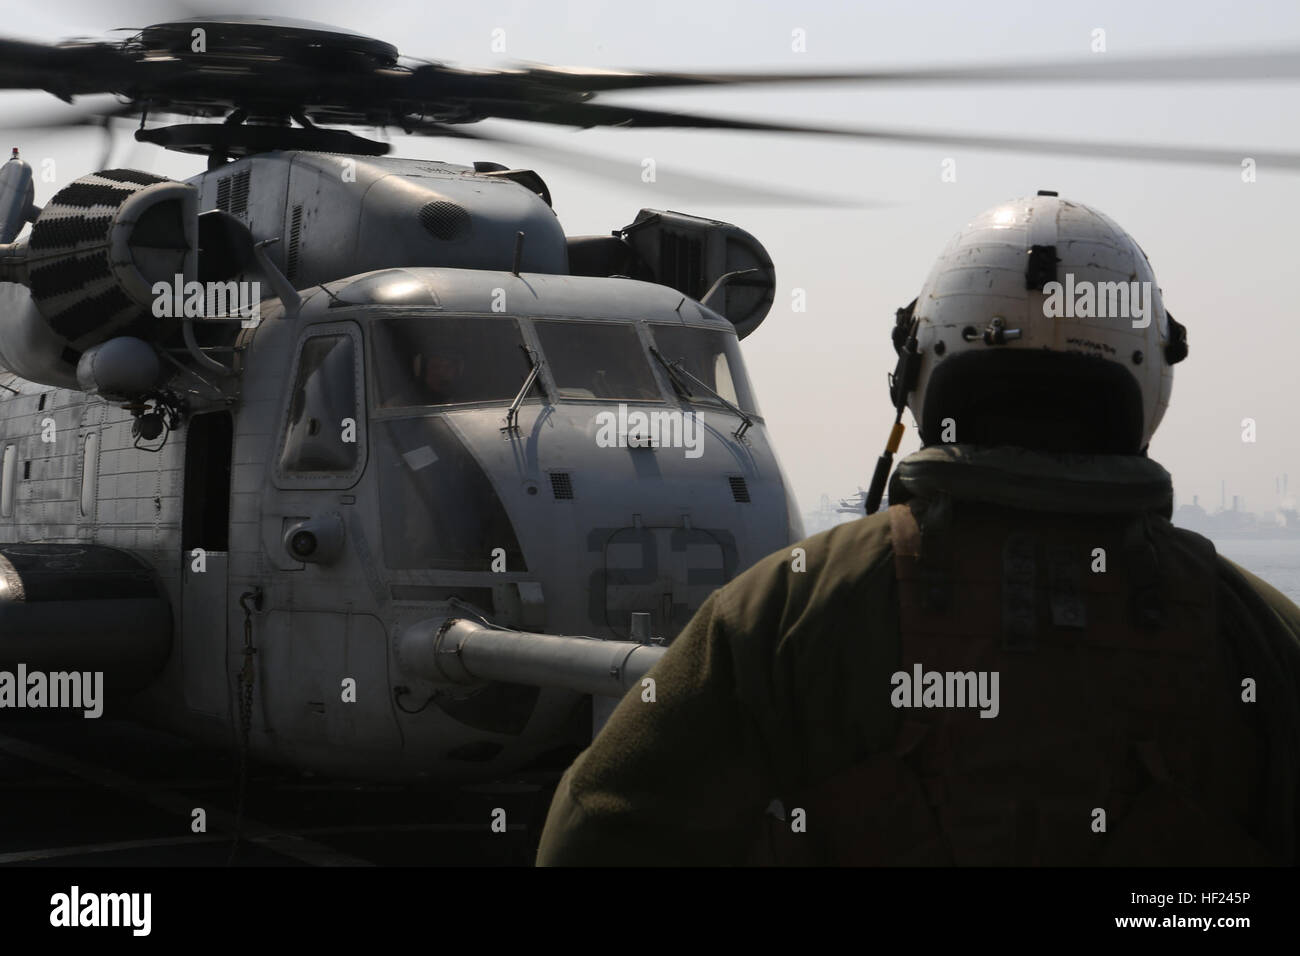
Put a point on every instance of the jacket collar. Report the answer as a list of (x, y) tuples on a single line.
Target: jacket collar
[(1035, 481)]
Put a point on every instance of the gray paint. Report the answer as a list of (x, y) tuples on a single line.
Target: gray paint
[(321, 623)]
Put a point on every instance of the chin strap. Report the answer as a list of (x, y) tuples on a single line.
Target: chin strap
[(901, 382)]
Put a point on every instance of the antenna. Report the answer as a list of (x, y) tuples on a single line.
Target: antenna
[(519, 251)]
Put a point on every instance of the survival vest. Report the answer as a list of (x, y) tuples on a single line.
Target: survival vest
[(1065, 699)]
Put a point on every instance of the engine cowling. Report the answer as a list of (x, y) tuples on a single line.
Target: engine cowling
[(85, 274), (99, 246), (703, 258)]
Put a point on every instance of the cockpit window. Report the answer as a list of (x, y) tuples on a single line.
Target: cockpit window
[(324, 401), (711, 356), (591, 360), (444, 360)]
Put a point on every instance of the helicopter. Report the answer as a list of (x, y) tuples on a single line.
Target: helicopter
[(360, 464)]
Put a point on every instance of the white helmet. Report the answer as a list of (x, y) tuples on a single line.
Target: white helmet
[(1041, 325)]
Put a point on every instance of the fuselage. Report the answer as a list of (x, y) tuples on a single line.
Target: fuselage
[(381, 406)]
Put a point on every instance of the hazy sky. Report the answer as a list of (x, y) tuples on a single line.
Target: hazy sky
[(1224, 252)]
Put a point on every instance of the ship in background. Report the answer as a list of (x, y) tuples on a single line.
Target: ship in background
[(826, 516), (1280, 522)]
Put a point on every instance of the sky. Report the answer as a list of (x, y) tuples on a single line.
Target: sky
[(1224, 251)]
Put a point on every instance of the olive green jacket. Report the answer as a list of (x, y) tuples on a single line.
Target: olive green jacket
[(762, 693)]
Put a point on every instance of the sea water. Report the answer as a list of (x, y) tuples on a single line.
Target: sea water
[(1276, 560)]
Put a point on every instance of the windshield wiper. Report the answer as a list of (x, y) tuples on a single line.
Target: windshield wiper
[(534, 370), (679, 386), (675, 371)]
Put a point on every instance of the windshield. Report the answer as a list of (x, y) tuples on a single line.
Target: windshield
[(440, 510), (711, 356), (440, 360), (591, 360)]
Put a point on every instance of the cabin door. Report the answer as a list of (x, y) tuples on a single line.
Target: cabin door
[(205, 535)]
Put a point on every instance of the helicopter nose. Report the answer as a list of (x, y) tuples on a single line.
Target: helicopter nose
[(663, 571)]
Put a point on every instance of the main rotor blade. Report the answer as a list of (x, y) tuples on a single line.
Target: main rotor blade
[(587, 115), (65, 70), (1262, 65), (691, 186), (72, 118)]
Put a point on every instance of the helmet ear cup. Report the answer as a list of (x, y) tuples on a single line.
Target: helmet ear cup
[(902, 324), (1044, 400), (1176, 350)]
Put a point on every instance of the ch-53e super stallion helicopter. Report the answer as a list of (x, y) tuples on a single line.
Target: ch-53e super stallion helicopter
[(347, 523)]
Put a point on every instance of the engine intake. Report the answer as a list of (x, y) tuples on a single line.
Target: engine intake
[(98, 247), (702, 258)]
